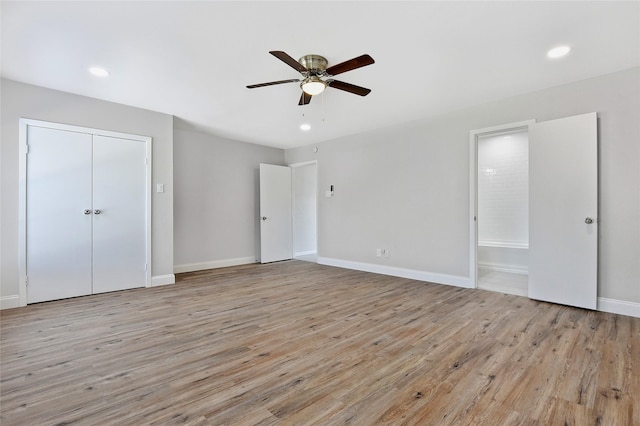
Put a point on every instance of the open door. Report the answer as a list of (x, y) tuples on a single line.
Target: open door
[(276, 239), (563, 209)]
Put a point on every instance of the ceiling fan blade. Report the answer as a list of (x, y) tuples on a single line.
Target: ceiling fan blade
[(271, 83), (288, 60), (347, 87), (305, 98), (351, 64)]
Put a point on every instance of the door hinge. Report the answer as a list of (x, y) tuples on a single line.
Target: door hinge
[(146, 161), (26, 281), (26, 149), (146, 267)]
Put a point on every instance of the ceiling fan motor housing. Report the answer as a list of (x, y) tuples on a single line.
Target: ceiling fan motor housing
[(315, 63)]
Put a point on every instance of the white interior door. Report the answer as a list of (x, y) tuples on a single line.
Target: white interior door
[(276, 241), (58, 214), (563, 228), (119, 214)]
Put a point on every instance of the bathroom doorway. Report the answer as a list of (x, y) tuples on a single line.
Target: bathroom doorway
[(500, 194)]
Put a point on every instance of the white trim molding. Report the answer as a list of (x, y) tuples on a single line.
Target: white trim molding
[(620, 307), (8, 302), (158, 280), (213, 264), (413, 274)]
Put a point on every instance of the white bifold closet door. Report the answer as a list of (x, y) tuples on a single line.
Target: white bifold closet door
[(119, 231), (58, 230), (85, 214)]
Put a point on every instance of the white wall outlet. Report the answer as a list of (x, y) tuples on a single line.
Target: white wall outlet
[(387, 252), (160, 187), (378, 252)]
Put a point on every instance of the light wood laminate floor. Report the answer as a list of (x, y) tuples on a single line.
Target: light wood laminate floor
[(296, 343)]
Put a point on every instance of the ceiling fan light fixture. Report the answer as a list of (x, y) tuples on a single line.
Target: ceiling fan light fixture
[(313, 85)]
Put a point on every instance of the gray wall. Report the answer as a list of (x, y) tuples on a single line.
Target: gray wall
[(406, 187), (20, 100), (216, 199)]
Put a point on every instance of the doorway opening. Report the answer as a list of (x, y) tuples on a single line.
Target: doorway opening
[(304, 204), (500, 208)]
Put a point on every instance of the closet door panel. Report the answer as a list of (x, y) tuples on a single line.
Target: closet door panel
[(58, 231), (119, 214)]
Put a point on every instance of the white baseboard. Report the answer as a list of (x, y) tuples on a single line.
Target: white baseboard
[(158, 280), (413, 274), (8, 302), (621, 307), (503, 268), (304, 253), (213, 264)]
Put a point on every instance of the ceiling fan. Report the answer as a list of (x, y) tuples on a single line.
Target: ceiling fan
[(316, 75)]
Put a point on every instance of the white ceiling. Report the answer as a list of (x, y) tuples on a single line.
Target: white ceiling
[(194, 59)]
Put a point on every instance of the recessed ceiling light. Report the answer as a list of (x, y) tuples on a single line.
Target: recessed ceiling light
[(305, 127), (558, 52), (99, 72)]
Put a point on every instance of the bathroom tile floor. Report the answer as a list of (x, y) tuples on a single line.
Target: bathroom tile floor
[(503, 282)]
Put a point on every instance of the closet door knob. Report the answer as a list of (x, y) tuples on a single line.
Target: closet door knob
[(97, 211), (588, 220), (87, 211)]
